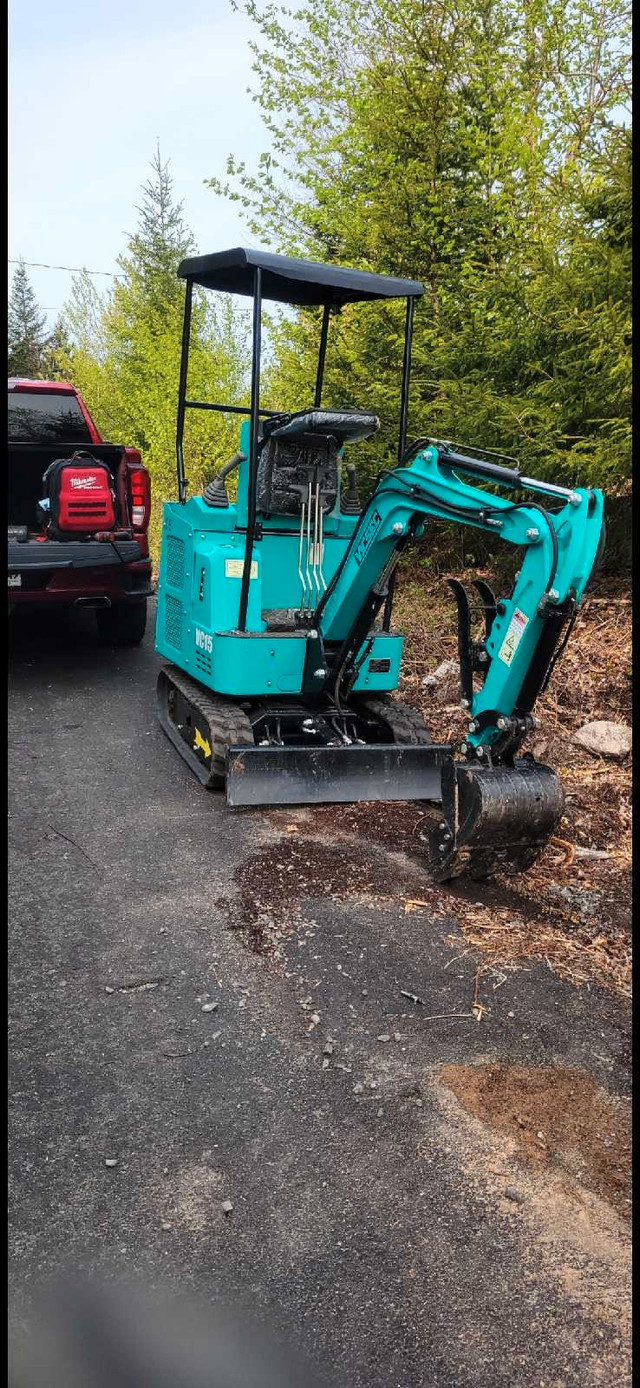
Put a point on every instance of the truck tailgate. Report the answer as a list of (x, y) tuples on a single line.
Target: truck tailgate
[(71, 554)]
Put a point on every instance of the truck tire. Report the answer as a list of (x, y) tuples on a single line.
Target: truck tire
[(400, 721), (122, 625)]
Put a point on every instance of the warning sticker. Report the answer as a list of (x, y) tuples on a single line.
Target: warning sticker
[(515, 633), (233, 568)]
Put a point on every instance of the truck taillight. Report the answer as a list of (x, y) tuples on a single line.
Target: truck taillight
[(139, 497)]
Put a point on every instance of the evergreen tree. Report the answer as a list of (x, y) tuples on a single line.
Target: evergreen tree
[(26, 328), (161, 241)]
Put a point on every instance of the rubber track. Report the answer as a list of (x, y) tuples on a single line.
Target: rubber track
[(227, 723), (405, 723)]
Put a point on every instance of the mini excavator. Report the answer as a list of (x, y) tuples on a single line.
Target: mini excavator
[(274, 609)]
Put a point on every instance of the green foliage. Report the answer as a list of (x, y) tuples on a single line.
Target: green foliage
[(125, 354), (56, 353), (475, 145), (26, 328)]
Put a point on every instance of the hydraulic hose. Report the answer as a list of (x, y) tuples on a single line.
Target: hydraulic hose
[(215, 492), (463, 514)]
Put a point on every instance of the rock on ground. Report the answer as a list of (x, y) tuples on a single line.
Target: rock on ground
[(605, 739), (446, 671)]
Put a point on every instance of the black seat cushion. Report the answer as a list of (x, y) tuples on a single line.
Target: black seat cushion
[(345, 426)]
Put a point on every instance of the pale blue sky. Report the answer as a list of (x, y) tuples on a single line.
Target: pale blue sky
[(91, 87)]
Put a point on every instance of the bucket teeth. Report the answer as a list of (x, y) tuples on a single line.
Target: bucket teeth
[(494, 818)]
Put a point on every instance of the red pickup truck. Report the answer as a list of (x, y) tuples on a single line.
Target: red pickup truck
[(74, 563)]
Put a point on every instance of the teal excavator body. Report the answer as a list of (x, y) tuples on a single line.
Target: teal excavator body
[(274, 609)]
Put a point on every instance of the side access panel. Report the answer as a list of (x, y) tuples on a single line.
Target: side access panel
[(174, 587), (380, 671)]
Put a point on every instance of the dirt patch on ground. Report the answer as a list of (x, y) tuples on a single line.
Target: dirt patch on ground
[(568, 1233), (398, 826), (579, 948), (196, 1200), (558, 1118), (580, 930), (273, 881)]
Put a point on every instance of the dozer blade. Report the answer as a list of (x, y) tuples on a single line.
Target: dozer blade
[(289, 775), (494, 818)]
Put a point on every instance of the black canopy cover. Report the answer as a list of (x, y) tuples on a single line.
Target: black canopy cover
[(292, 281)]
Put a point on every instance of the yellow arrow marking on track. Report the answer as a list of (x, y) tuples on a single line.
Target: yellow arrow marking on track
[(201, 741)]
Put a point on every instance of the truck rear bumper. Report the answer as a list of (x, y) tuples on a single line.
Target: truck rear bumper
[(63, 581), (72, 554)]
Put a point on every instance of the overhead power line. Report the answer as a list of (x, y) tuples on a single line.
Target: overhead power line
[(72, 269)]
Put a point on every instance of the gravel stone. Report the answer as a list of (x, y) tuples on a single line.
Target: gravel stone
[(515, 1195)]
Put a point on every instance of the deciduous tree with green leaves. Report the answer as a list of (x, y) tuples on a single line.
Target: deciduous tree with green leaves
[(126, 349), (480, 146)]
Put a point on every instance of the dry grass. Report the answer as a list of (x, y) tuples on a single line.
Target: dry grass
[(506, 940), (571, 911)]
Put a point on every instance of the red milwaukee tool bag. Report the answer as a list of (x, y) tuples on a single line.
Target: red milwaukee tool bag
[(78, 497)]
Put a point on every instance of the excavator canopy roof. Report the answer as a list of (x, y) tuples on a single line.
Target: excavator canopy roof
[(292, 281)]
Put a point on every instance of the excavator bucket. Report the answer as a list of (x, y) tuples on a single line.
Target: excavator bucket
[(494, 818)]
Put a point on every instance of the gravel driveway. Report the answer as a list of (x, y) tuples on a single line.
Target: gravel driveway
[(210, 1006)]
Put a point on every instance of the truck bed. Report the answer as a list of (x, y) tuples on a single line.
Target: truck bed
[(27, 462)]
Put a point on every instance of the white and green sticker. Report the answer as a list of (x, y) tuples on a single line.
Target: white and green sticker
[(234, 568), (515, 632)]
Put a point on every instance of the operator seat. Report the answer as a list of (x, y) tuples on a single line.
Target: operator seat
[(301, 450)]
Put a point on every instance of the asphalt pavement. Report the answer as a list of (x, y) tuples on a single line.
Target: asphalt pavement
[(173, 1051)]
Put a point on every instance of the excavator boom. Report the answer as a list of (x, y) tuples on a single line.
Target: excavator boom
[(559, 546)]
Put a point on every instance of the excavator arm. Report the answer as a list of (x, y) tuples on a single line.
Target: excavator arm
[(521, 631), (497, 808)]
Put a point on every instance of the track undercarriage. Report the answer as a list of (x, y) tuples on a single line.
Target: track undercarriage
[(375, 748), (210, 731)]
